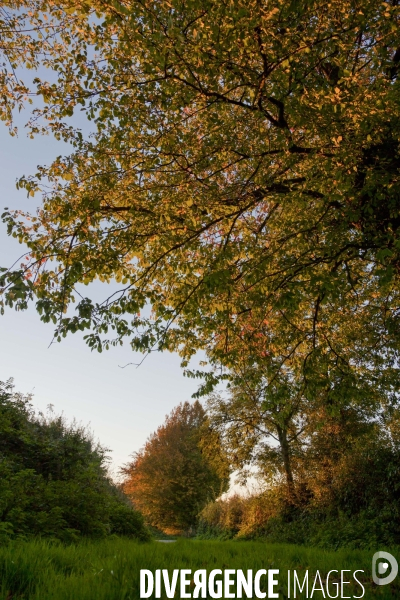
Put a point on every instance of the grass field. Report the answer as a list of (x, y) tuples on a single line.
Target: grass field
[(109, 570)]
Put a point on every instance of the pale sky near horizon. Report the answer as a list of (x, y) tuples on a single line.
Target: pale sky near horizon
[(122, 406)]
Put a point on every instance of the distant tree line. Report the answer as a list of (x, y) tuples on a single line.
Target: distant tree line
[(343, 488)]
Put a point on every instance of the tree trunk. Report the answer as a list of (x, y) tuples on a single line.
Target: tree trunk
[(287, 466)]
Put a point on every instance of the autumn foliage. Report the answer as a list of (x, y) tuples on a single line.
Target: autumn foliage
[(243, 162), (170, 480)]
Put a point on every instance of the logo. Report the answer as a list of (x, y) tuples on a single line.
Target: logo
[(382, 560)]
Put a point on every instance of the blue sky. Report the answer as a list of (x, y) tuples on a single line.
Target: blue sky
[(123, 406)]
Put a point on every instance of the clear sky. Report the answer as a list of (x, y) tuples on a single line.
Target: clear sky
[(123, 406)]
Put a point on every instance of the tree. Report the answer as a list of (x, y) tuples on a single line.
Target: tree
[(244, 161), (272, 423), (342, 488), (260, 426), (54, 479), (170, 480), (271, 411)]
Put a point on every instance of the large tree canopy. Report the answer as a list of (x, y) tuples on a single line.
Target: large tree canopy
[(242, 176)]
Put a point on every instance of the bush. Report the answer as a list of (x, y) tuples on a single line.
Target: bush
[(53, 478), (128, 522)]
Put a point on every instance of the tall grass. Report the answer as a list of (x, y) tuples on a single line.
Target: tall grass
[(109, 569)]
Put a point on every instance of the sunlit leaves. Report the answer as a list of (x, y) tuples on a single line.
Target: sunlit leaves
[(242, 178)]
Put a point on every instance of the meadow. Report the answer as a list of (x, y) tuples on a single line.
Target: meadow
[(109, 569)]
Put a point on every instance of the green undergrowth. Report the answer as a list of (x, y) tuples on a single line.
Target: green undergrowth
[(309, 530), (109, 569)]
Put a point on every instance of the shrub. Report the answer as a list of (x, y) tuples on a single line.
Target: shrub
[(53, 478)]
